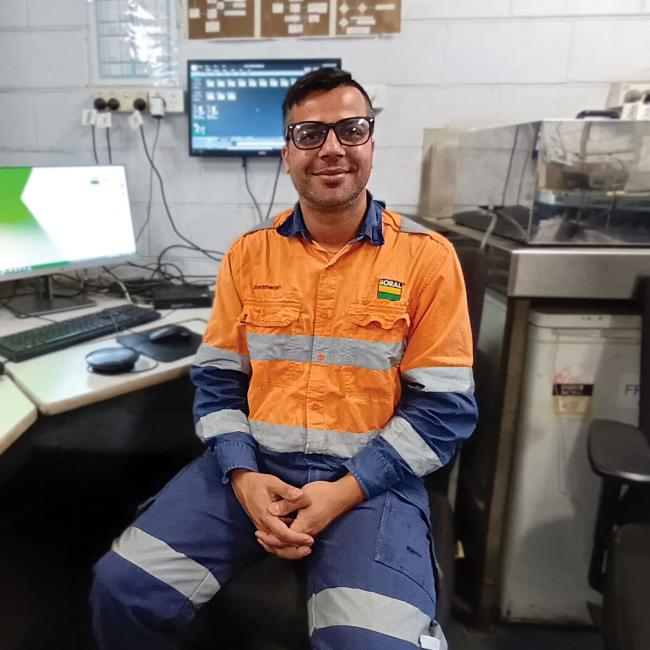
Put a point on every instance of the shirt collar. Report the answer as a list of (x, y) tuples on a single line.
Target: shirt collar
[(370, 229)]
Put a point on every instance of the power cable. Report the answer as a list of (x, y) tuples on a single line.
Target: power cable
[(207, 252), (248, 189), (275, 187), (150, 198), (92, 132), (108, 145)]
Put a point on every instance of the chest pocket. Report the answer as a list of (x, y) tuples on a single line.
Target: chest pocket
[(272, 329), (375, 339)]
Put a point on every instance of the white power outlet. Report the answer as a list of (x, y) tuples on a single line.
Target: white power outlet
[(173, 98), (126, 95), (618, 91)]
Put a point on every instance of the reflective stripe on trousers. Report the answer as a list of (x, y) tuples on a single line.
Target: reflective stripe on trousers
[(370, 577)]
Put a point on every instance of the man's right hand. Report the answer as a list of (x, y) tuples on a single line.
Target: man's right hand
[(256, 492)]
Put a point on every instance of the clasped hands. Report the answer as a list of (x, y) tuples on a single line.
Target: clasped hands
[(288, 519)]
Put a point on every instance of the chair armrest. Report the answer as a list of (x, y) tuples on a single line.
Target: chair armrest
[(619, 451)]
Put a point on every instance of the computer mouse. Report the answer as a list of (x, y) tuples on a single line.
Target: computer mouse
[(112, 360), (169, 334)]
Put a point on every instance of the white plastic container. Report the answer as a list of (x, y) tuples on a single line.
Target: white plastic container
[(578, 367)]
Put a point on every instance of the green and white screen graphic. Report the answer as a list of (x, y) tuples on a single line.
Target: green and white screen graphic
[(52, 217)]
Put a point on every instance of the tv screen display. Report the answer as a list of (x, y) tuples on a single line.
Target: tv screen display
[(235, 107)]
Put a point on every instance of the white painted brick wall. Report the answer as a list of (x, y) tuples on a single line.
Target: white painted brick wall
[(461, 64), (513, 51), (13, 13), (611, 50), (43, 59), (17, 110), (42, 13), (575, 7)]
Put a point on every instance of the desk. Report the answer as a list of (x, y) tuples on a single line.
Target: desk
[(60, 382), (17, 413)]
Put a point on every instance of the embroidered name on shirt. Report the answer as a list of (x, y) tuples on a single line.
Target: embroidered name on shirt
[(389, 290), (272, 287)]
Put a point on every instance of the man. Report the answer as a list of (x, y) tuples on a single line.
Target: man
[(335, 372)]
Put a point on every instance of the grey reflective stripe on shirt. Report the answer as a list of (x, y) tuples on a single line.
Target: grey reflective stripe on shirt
[(285, 438), (213, 357), (219, 422), (408, 443), (160, 560), (408, 225), (278, 347), (365, 609), (441, 380), (325, 350)]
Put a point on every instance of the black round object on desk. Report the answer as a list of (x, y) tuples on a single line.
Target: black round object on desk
[(111, 360)]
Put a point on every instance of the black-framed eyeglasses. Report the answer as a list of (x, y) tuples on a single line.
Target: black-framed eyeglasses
[(350, 132)]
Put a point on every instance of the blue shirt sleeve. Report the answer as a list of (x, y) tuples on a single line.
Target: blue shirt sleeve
[(221, 414)]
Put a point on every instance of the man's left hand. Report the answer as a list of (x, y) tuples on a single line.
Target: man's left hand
[(328, 501)]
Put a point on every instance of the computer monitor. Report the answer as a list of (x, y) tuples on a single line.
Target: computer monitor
[(235, 107), (55, 219)]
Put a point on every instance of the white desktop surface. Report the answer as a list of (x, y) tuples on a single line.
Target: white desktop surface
[(17, 413), (60, 381)]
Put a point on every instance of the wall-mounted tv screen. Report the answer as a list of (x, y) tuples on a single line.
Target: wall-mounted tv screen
[(235, 106)]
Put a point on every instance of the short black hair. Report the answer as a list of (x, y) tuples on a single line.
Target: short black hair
[(317, 80)]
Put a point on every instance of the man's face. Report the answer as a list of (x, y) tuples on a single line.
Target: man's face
[(335, 175)]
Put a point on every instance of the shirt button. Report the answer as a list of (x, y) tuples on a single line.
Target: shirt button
[(315, 406), (321, 357)]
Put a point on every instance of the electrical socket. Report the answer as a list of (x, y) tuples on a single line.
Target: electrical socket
[(125, 95), (174, 98), (618, 91)]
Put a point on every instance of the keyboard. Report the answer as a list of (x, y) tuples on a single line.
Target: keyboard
[(48, 338)]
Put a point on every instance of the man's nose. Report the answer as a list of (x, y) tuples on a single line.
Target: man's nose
[(331, 146)]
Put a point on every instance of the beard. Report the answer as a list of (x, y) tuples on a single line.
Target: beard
[(332, 199)]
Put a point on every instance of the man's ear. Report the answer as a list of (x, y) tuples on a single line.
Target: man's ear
[(285, 155)]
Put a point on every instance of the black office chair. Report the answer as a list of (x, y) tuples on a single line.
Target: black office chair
[(620, 562), (264, 607)]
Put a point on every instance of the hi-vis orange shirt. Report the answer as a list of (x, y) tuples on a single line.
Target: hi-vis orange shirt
[(363, 356)]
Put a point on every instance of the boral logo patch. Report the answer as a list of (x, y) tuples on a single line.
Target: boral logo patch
[(389, 290)]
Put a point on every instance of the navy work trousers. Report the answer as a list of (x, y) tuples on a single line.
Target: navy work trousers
[(370, 577)]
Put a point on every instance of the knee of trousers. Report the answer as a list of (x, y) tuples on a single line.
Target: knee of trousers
[(122, 589)]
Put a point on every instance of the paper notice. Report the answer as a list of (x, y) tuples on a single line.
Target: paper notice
[(212, 14), (234, 12), (295, 29), (194, 13), (314, 18), (358, 30), (212, 27), (385, 7), (364, 20), (317, 7), (292, 18), (277, 8)]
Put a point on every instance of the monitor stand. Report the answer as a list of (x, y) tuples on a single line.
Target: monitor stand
[(43, 301)]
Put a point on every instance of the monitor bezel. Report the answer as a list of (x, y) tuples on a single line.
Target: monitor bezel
[(222, 153), (80, 264)]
